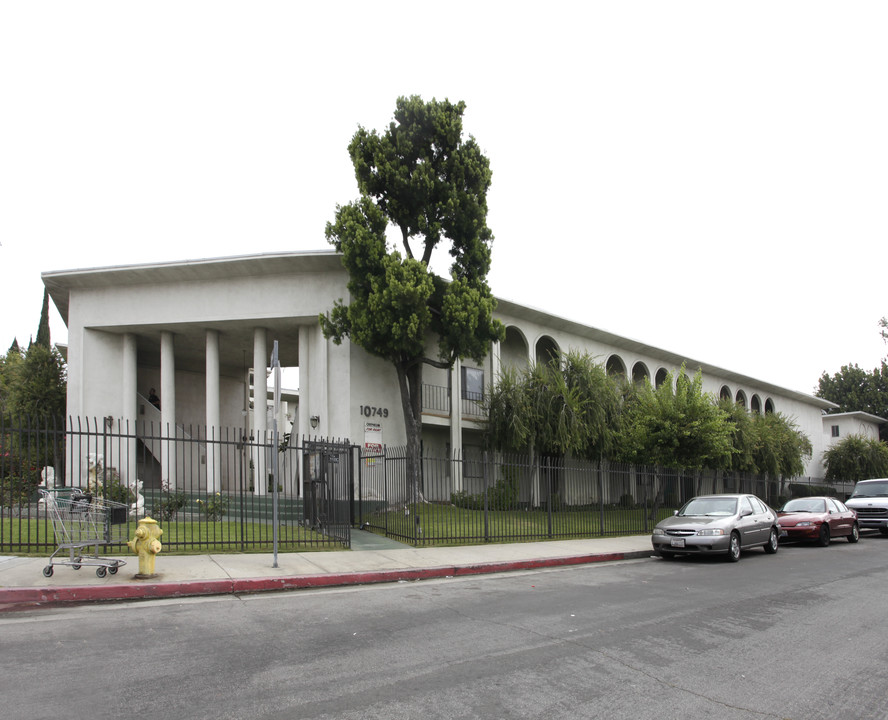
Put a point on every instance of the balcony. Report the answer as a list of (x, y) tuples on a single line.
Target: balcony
[(436, 401)]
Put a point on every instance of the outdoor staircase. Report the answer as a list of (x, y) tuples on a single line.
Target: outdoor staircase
[(151, 427)]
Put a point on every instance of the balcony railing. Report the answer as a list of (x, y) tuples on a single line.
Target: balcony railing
[(436, 401)]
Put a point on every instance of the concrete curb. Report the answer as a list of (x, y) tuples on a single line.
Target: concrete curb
[(18, 598)]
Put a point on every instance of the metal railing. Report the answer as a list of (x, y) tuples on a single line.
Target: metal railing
[(206, 491), (202, 487), (510, 498), (436, 400)]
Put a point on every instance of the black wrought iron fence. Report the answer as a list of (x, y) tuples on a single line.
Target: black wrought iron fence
[(219, 490), (511, 498), (216, 490)]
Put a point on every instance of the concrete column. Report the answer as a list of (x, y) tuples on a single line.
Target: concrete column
[(130, 411), (495, 363), (214, 421), (303, 422), (260, 411), (321, 404), (168, 410), (456, 425), (303, 426)]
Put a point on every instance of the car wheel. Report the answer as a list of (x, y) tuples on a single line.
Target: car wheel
[(734, 547), (855, 534), (823, 538), (771, 545)]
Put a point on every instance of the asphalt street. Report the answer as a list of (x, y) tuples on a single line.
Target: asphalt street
[(799, 635)]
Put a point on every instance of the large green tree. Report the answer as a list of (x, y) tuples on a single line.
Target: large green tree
[(429, 182), (43, 326), (855, 389), (41, 384), (856, 457), (675, 425), (568, 405), (765, 444), (10, 365), (780, 448), (33, 383)]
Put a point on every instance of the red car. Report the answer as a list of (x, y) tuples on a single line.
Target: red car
[(817, 518)]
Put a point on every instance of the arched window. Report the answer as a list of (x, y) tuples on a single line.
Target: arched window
[(725, 393), (547, 351), (615, 367), (741, 399), (640, 374), (769, 406), (513, 350), (662, 374), (755, 404)]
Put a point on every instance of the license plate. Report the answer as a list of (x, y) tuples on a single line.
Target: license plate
[(677, 542)]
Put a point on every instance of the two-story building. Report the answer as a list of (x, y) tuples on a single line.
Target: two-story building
[(195, 331)]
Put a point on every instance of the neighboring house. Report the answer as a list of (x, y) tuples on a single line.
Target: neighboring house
[(838, 426), (194, 330)]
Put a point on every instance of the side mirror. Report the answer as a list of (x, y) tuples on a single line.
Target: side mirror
[(746, 513)]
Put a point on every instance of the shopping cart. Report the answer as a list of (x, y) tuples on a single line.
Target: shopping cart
[(82, 523)]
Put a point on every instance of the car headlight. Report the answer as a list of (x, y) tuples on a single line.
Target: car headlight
[(804, 523), (711, 531), (659, 531)]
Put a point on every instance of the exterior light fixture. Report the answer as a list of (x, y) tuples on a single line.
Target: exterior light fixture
[(315, 421)]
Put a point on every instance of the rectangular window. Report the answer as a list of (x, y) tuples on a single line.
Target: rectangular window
[(835, 430), (472, 383), (472, 462)]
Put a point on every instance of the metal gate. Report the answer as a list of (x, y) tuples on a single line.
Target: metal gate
[(327, 487)]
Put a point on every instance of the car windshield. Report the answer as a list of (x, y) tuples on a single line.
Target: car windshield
[(871, 489), (710, 506), (808, 505)]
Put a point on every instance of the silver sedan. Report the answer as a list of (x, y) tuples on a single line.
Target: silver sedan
[(712, 524)]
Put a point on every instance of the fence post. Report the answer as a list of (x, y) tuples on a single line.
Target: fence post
[(548, 473), (385, 488), (486, 498), (600, 499)]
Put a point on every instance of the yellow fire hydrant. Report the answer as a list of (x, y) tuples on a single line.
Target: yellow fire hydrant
[(146, 544)]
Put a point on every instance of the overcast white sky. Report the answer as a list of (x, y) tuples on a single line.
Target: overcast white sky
[(707, 177)]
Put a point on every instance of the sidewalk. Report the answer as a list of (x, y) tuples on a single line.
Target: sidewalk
[(372, 559)]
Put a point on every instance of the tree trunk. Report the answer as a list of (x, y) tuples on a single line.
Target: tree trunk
[(410, 384)]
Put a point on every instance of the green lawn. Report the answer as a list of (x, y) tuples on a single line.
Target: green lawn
[(432, 524), (35, 537), (427, 524)]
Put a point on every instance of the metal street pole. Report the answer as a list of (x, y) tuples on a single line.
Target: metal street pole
[(276, 366)]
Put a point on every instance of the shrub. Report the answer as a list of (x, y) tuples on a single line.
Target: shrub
[(502, 496), (215, 507), (18, 489), (627, 501), (168, 505), (106, 483)]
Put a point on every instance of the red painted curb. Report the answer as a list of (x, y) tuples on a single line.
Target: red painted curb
[(33, 596)]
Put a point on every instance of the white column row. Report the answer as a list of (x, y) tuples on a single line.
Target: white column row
[(172, 470)]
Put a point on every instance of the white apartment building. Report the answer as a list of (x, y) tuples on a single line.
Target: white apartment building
[(195, 330)]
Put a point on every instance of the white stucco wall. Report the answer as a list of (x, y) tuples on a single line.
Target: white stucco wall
[(803, 410), (284, 294)]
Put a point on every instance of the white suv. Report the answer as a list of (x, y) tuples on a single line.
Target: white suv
[(870, 500)]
